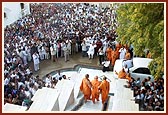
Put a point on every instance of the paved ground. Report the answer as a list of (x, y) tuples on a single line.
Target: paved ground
[(47, 66)]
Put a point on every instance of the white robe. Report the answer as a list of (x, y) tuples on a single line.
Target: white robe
[(91, 50), (36, 61), (122, 53)]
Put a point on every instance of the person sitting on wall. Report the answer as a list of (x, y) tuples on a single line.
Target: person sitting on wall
[(122, 74), (106, 64), (65, 77)]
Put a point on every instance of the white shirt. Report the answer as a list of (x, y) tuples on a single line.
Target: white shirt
[(36, 59), (106, 63), (6, 81), (58, 76), (122, 53), (91, 49), (101, 52), (83, 47)]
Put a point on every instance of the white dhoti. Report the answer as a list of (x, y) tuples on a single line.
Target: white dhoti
[(91, 51)]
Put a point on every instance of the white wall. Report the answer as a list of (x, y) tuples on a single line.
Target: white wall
[(13, 11)]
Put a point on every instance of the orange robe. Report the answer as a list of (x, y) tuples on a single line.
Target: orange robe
[(109, 56), (127, 56), (85, 87), (114, 57), (122, 75), (95, 91), (149, 55), (104, 87), (128, 77)]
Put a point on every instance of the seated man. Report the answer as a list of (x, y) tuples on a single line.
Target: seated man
[(106, 64), (65, 77), (122, 74), (59, 75)]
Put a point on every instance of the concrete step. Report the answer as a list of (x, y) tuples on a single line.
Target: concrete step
[(13, 108), (120, 92), (91, 107), (124, 105)]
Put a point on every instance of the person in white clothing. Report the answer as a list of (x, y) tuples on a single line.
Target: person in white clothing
[(62, 48), (40, 52), (101, 55), (84, 48), (58, 75), (36, 61), (105, 45), (106, 65), (29, 53), (69, 45), (66, 52), (91, 51), (25, 55), (43, 56), (56, 51), (53, 52), (122, 52), (48, 80)]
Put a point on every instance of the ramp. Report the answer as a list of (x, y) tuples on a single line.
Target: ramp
[(76, 79), (66, 97), (47, 101), (14, 108), (37, 95), (124, 105), (121, 92)]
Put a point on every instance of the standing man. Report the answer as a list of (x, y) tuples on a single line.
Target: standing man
[(85, 87), (95, 91), (36, 61), (101, 55), (84, 49), (91, 50), (66, 52), (122, 52), (104, 87), (53, 52)]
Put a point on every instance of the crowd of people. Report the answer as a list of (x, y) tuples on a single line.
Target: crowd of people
[(148, 94), (47, 33)]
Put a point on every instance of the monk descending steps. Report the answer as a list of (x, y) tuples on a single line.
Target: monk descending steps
[(85, 87), (104, 87), (95, 91)]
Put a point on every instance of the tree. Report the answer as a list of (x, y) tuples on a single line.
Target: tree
[(142, 25)]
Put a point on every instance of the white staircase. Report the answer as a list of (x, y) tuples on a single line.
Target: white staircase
[(67, 94)]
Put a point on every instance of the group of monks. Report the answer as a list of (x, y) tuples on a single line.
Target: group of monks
[(92, 89), (114, 54)]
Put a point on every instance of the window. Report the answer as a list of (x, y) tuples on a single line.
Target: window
[(142, 71), (22, 5)]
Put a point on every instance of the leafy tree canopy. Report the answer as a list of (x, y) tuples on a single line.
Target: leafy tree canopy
[(142, 25)]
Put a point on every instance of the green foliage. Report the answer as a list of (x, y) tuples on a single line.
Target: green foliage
[(142, 25)]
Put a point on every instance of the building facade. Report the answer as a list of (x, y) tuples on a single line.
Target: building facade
[(12, 11)]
